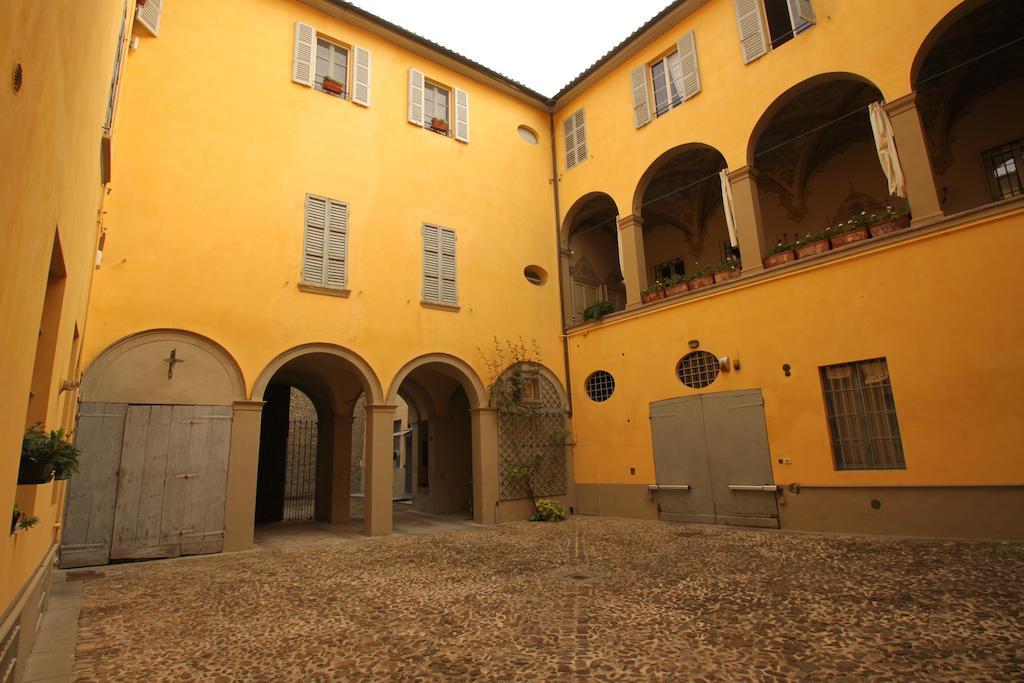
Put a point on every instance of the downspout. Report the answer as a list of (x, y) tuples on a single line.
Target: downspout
[(558, 253)]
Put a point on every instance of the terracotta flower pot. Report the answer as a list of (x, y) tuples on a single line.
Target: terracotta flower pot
[(849, 237), (333, 87), (677, 288), (703, 281), (813, 248), (652, 296), (439, 126), (890, 226), (723, 275), (779, 259)]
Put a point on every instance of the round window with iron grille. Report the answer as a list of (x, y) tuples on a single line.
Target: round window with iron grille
[(600, 386), (698, 369)]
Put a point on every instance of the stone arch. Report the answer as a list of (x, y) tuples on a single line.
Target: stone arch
[(360, 368), (658, 164), (135, 369), (454, 367), (937, 33), (578, 208)]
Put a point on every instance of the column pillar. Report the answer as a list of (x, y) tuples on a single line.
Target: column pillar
[(913, 152), (747, 212), (632, 257), (377, 475), (341, 484), (243, 465), (485, 464)]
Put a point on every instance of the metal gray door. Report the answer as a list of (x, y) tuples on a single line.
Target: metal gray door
[(711, 459), (681, 461)]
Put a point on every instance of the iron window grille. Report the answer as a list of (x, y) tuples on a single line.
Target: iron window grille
[(600, 386), (698, 369), (862, 416), (668, 269), (1003, 166)]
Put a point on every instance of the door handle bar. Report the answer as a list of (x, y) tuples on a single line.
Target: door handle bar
[(766, 488), (667, 487)]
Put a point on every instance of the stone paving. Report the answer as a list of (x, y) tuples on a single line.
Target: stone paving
[(587, 599)]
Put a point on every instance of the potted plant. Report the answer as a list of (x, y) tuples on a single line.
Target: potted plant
[(813, 244), (853, 230), (782, 252), (728, 269), (652, 293), (44, 454), (598, 310), (20, 521), (890, 220), (702, 277), (333, 86), (677, 284), (439, 124)]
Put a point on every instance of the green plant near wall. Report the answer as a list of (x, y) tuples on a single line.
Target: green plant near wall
[(547, 511), (20, 521), (598, 310)]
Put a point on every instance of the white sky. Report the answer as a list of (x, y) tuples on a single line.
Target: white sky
[(543, 44)]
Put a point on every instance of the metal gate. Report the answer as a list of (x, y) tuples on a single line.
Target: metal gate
[(711, 460), (300, 470)]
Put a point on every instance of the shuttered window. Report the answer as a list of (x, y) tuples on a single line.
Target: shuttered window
[(437, 107), (439, 265), (149, 15), (325, 244), (770, 23), (574, 133), (315, 58), (674, 79)]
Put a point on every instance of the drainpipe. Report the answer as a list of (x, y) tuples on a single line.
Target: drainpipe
[(558, 254)]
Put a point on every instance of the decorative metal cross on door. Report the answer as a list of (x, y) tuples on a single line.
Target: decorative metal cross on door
[(171, 360)]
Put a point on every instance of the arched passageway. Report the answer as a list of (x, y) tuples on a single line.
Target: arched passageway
[(593, 273), (815, 158), (969, 78)]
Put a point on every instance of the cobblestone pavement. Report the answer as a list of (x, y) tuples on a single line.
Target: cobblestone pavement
[(587, 599)]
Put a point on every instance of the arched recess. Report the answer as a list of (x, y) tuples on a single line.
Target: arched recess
[(140, 369), (814, 157), (679, 201), (448, 365), (591, 259), (346, 359), (969, 79)]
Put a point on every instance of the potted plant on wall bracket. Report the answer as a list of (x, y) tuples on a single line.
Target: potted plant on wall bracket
[(333, 86), (43, 455), (598, 310), (728, 269), (889, 220), (652, 293), (782, 252), (813, 243), (438, 124), (20, 521)]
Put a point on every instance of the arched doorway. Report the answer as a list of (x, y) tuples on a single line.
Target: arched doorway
[(594, 272), (154, 428), (679, 200), (310, 396), (451, 436), (815, 158), (969, 78)]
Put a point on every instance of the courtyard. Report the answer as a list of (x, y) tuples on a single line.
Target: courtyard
[(587, 599)]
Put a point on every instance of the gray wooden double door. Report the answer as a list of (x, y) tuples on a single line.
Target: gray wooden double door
[(152, 482), (711, 459)]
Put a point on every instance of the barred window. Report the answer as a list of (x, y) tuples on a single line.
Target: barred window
[(698, 369), (600, 386), (862, 416), (1004, 166)]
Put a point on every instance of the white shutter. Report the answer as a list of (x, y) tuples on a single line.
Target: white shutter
[(581, 136), (305, 51), (461, 115), (448, 291), (431, 264), (569, 136), (641, 99), (149, 16), (416, 97), (361, 78), (687, 48), (336, 272), (315, 241), (751, 25), (801, 14)]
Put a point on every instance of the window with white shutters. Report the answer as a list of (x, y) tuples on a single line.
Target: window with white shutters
[(149, 15), (327, 66), (325, 244), (765, 24), (674, 79), (437, 107), (439, 277), (574, 133)]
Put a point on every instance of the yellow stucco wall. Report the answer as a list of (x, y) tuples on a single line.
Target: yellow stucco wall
[(50, 156), (216, 154), (874, 39)]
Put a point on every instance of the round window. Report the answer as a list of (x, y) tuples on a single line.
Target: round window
[(528, 135), (535, 275), (600, 386), (698, 369)]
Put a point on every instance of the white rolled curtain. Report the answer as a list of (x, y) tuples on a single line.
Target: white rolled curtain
[(730, 217), (885, 145)]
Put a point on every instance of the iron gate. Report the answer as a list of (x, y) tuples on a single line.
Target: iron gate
[(300, 470)]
